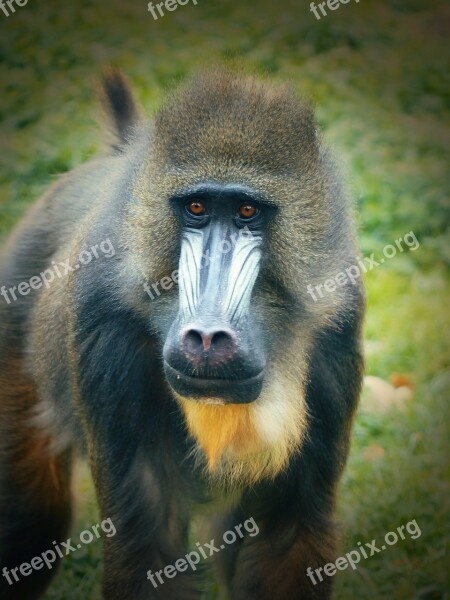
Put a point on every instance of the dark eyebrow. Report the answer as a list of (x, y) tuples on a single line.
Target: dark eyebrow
[(219, 189)]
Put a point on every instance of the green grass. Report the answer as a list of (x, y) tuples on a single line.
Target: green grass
[(377, 71)]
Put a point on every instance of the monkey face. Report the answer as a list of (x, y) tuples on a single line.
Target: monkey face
[(214, 348)]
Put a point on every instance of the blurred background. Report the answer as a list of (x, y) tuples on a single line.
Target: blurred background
[(377, 71)]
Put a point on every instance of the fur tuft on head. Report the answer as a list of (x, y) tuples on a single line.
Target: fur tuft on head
[(223, 116)]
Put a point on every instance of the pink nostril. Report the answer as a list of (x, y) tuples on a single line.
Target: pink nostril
[(217, 344)]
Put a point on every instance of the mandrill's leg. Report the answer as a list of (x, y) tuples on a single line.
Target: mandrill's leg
[(278, 561), (269, 568), (34, 492), (136, 446), (150, 528)]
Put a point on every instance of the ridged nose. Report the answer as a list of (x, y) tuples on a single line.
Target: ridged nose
[(214, 345)]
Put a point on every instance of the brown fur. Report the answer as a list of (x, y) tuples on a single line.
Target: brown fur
[(36, 467), (287, 570), (37, 479)]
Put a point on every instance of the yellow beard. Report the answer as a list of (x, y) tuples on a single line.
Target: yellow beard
[(218, 428), (242, 443)]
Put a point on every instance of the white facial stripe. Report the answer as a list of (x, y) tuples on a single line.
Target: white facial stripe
[(189, 271), (231, 269), (242, 276)]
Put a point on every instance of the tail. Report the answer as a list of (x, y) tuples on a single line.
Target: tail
[(119, 106)]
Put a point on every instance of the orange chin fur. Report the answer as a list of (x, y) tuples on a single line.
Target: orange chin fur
[(219, 428)]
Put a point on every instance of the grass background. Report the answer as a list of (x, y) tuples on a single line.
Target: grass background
[(377, 71)]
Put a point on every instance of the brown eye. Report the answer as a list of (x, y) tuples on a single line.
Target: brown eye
[(247, 211), (196, 208)]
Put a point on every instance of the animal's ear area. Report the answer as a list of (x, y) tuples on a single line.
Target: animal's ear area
[(119, 105)]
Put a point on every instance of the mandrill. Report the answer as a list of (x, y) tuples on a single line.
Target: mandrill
[(228, 396)]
